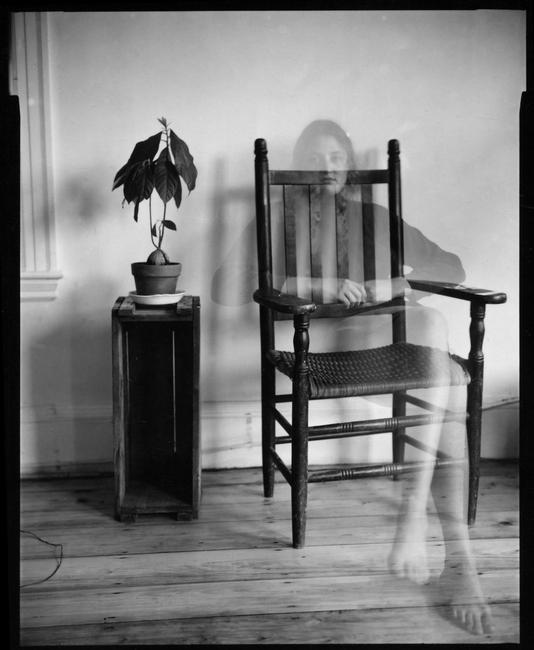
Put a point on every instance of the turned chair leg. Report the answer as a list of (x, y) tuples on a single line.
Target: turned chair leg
[(399, 410), (299, 480), (473, 446), (299, 444), (474, 405), (399, 405), (267, 461), (268, 431)]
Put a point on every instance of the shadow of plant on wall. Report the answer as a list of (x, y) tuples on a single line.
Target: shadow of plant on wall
[(82, 195), (231, 312)]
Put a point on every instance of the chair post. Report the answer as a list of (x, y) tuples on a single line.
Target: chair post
[(263, 236), (474, 404), (398, 411), (396, 235), (299, 443), (267, 402), (263, 215)]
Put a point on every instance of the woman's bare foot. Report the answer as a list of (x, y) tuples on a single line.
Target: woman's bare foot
[(408, 557), (469, 609)]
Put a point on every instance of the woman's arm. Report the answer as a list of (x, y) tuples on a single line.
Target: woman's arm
[(428, 261), (348, 291)]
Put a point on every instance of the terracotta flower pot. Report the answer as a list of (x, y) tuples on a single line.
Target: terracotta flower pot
[(153, 279)]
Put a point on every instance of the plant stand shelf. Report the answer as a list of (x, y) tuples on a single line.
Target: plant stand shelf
[(156, 354)]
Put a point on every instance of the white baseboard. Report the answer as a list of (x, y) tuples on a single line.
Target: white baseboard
[(68, 440), (65, 470)]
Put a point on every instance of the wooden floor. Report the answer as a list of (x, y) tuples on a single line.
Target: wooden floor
[(232, 576)]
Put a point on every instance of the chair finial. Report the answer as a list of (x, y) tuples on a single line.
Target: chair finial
[(260, 147), (394, 148)]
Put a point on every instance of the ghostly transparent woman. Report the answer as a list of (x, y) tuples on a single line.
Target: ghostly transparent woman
[(323, 145)]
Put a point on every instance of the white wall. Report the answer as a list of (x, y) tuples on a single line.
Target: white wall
[(446, 84)]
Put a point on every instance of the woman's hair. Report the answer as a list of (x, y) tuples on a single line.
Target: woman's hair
[(321, 128)]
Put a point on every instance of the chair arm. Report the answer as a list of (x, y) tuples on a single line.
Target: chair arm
[(284, 302), (459, 291)]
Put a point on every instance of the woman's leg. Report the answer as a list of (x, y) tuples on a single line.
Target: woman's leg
[(459, 578), (408, 557)]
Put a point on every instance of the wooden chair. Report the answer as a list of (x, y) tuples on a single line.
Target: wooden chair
[(319, 375)]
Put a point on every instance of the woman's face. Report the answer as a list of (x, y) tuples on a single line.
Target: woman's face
[(326, 153)]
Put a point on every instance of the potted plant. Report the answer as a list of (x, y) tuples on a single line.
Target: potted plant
[(145, 171)]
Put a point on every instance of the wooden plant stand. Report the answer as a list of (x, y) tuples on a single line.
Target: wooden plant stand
[(156, 354)]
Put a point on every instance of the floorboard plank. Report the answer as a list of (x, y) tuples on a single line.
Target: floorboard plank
[(371, 626), (152, 534), (323, 501), (160, 602), (250, 564)]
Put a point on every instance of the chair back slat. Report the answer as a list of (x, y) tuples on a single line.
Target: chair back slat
[(290, 237), (316, 266), (342, 238), (368, 233), (301, 177)]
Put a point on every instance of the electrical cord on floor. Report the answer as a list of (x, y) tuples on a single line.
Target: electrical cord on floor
[(59, 559)]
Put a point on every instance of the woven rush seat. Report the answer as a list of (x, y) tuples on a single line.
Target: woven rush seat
[(395, 367)]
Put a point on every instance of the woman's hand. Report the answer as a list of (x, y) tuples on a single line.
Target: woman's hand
[(384, 290), (351, 293)]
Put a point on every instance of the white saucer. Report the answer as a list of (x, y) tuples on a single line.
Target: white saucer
[(158, 298)]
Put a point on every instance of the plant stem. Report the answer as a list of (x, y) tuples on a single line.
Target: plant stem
[(162, 227), (150, 216)]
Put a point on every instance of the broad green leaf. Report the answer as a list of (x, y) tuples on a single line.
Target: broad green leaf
[(154, 230), (120, 176), (183, 161), (136, 210), (144, 179), (178, 194), (131, 192), (139, 182), (169, 224), (145, 149), (165, 177)]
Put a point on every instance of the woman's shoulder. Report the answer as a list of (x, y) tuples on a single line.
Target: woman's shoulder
[(353, 200)]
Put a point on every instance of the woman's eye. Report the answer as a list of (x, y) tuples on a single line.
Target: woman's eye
[(338, 160)]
